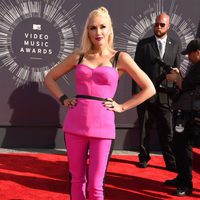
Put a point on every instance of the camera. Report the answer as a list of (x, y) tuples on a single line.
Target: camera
[(171, 90), (166, 69)]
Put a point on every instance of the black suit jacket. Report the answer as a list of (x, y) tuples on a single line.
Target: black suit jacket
[(190, 88), (146, 54), (192, 78)]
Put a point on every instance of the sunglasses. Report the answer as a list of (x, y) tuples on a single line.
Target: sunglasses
[(162, 25)]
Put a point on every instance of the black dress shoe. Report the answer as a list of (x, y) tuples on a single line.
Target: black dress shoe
[(183, 191), (142, 164), (173, 182)]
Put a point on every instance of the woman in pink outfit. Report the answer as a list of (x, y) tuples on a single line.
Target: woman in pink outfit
[(89, 125)]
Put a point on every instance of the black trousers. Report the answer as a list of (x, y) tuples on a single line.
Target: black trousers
[(148, 115), (182, 146)]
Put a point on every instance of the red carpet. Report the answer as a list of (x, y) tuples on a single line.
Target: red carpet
[(40, 176)]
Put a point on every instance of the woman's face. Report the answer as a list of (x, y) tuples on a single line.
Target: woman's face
[(98, 31)]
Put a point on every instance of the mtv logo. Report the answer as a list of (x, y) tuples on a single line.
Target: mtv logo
[(37, 27)]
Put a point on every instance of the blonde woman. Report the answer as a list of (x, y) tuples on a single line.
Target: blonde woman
[(89, 123)]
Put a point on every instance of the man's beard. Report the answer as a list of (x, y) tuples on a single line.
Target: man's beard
[(160, 34)]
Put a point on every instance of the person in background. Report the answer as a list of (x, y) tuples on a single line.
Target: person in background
[(155, 55), (186, 119), (89, 125)]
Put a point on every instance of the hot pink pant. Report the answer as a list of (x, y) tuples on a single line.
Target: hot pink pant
[(77, 150)]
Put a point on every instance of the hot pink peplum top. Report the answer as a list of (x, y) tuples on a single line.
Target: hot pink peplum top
[(90, 117)]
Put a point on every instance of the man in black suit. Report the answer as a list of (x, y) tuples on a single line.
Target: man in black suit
[(156, 110), (188, 104)]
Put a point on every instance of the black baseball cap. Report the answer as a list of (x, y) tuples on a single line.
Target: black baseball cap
[(193, 45)]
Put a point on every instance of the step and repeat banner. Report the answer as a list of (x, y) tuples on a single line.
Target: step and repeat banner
[(35, 35)]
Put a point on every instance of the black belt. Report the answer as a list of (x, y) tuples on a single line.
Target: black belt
[(91, 97)]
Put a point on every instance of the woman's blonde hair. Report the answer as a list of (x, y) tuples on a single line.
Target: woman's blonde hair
[(86, 44)]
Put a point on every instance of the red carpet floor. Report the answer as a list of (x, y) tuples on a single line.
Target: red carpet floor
[(41, 176)]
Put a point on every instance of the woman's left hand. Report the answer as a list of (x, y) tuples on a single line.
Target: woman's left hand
[(110, 104), (71, 103)]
